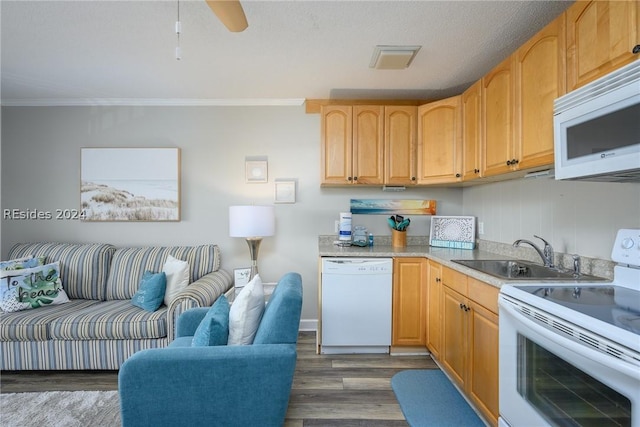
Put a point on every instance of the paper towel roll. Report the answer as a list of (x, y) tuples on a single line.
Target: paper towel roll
[(345, 226)]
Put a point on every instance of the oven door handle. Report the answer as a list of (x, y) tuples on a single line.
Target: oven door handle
[(584, 350)]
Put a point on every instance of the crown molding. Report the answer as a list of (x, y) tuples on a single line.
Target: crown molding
[(313, 106), (152, 102)]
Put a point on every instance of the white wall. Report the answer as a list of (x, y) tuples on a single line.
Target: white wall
[(40, 170), (40, 156), (575, 216), (1, 179)]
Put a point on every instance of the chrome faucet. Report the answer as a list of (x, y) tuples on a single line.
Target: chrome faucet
[(576, 266), (546, 254)]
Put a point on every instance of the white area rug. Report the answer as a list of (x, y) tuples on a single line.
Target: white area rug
[(60, 409)]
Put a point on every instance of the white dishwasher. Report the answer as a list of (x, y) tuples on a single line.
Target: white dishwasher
[(356, 305)]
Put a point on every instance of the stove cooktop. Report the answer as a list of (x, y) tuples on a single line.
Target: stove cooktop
[(615, 305), (609, 309)]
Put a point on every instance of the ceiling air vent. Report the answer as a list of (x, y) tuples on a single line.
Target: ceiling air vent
[(393, 57)]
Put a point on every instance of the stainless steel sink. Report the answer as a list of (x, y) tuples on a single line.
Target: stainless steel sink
[(523, 270)]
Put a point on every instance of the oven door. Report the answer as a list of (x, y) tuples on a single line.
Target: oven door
[(549, 379)]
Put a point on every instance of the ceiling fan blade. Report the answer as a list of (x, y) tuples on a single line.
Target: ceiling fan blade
[(230, 13)]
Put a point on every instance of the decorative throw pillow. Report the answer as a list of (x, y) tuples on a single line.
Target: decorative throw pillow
[(8, 264), (19, 264), (32, 288), (246, 312), (214, 328), (177, 272), (151, 291)]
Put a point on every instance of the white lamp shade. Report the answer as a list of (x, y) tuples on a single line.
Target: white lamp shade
[(252, 221)]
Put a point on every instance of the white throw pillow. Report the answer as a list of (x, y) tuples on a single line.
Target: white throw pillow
[(177, 272), (246, 312)]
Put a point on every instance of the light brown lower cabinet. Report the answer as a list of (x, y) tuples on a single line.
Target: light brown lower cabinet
[(454, 325), (468, 336), (482, 378), (434, 294), (409, 301)]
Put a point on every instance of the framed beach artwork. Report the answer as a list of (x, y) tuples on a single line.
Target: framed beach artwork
[(130, 184), (393, 206)]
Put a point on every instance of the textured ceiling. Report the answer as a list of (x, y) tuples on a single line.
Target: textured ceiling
[(75, 52)]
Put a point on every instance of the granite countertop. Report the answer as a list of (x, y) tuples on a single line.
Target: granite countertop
[(419, 247)]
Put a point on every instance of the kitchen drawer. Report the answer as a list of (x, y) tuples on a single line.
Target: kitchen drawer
[(483, 294), (454, 280)]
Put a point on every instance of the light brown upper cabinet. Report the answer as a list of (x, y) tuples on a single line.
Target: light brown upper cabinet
[(368, 144), (400, 145), (337, 144), (471, 131), (601, 36), (440, 142), (501, 124), (498, 151), (539, 79), (352, 139), (517, 104)]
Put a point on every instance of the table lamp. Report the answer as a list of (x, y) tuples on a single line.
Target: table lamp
[(253, 223)]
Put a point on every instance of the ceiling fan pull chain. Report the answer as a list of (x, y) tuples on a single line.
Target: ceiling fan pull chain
[(178, 31)]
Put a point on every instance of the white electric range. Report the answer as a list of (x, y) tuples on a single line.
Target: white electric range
[(570, 352)]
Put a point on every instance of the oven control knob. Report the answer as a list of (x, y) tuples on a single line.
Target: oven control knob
[(627, 243)]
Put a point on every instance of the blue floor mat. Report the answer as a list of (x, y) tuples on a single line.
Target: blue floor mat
[(427, 398)]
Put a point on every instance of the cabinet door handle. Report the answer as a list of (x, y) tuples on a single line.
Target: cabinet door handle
[(508, 162), (636, 49), (413, 178), (349, 178), (355, 178), (464, 307), (476, 170), (457, 175), (438, 280)]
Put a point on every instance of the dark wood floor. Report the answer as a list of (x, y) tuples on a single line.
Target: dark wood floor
[(328, 390)]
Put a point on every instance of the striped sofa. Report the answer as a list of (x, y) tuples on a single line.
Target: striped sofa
[(100, 328)]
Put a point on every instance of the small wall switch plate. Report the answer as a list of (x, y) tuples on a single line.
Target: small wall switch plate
[(481, 228)]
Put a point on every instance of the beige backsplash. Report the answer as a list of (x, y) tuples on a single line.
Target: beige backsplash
[(381, 240), (592, 266)]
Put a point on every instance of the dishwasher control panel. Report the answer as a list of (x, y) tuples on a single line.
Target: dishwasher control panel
[(357, 265)]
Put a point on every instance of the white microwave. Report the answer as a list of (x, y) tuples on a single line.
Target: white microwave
[(597, 129)]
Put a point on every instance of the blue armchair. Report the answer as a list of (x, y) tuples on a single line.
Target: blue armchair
[(218, 385)]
